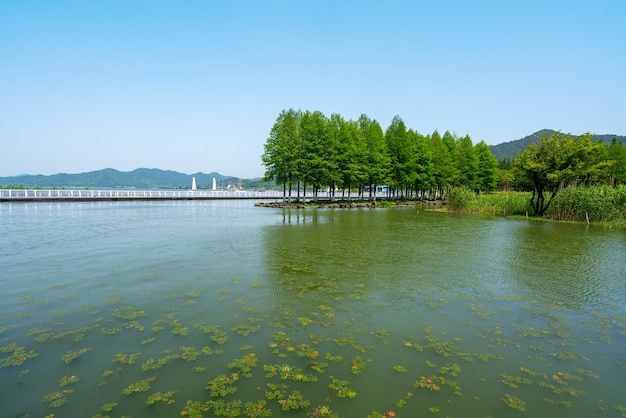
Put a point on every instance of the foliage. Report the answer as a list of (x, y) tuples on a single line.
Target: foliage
[(309, 149), (557, 162)]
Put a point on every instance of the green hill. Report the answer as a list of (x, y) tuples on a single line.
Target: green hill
[(509, 150), (141, 178)]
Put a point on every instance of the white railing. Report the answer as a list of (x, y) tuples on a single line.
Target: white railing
[(31, 194), (25, 194)]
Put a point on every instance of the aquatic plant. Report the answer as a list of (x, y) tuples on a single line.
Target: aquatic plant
[(222, 385), (70, 356), (57, 399), (108, 407), (294, 401), (257, 409), (245, 329), (341, 388), (514, 402), (195, 409), (123, 358), (398, 368), (18, 355), (322, 411), (357, 365), (514, 381), (244, 364), (288, 372), (276, 391), (68, 380), (139, 386), (152, 364), (160, 397)]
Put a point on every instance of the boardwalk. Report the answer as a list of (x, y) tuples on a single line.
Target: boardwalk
[(10, 195)]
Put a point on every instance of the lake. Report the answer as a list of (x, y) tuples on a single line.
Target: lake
[(220, 308)]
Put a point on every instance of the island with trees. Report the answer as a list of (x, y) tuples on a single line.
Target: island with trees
[(561, 176)]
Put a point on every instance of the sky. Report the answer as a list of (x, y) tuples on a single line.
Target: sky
[(196, 85)]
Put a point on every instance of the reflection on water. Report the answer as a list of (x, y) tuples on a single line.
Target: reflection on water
[(362, 312)]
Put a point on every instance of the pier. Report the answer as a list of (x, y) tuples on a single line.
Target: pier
[(26, 195), (34, 195)]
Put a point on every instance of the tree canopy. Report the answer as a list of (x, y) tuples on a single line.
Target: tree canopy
[(309, 149)]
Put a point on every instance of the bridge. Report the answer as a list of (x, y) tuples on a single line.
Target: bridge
[(34, 195)]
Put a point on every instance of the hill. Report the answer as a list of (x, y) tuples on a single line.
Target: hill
[(509, 150), (141, 178)]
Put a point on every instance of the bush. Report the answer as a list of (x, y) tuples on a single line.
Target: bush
[(463, 199)]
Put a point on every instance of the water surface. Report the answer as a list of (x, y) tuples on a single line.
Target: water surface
[(358, 311)]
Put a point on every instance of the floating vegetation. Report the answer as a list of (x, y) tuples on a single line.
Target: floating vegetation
[(514, 402), (108, 407), (244, 364), (216, 333), (245, 329), (341, 389), (152, 364), (514, 381), (17, 357), (70, 356), (57, 399), (322, 411), (139, 386), (287, 372), (257, 409), (296, 348), (123, 358), (223, 385), (358, 364), (162, 398), (195, 409), (222, 408), (68, 380)]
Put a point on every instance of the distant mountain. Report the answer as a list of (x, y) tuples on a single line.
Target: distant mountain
[(509, 150), (141, 178)]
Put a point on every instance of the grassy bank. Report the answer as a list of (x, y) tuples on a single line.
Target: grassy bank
[(603, 204)]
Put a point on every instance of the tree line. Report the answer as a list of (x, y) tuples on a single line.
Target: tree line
[(309, 149)]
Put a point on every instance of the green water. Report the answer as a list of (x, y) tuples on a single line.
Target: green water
[(359, 312)]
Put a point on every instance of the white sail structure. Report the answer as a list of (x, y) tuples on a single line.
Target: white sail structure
[(214, 184), (193, 184)]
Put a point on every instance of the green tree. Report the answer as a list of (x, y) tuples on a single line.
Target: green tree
[(281, 150), (375, 158), (487, 169), (422, 164), (400, 155), (556, 162), (316, 160), (467, 163), (444, 171), (617, 154)]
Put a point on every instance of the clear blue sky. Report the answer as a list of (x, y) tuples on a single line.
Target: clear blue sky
[(197, 85)]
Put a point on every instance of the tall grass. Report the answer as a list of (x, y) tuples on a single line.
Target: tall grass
[(591, 204), (462, 199)]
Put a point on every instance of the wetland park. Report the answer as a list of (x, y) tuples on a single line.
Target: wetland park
[(206, 308)]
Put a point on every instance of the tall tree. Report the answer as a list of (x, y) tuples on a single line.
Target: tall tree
[(400, 154), (281, 150), (444, 171), (467, 162), (375, 156), (422, 162), (487, 170)]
